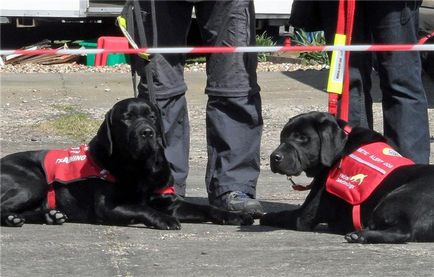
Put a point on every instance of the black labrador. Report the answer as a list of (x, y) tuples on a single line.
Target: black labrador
[(129, 146), (401, 209)]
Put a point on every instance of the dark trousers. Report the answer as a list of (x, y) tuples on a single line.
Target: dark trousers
[(233, 112), (404, 100)]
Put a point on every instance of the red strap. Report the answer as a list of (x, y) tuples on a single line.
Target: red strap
[(333, 104), (357, 222), (345, 101), (166, 190), (51, 198), (51, 195), (425, 38), (340, 27), (347, 129), (301, 188)]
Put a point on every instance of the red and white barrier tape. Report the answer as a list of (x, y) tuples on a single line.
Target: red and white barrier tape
[(222, 49)]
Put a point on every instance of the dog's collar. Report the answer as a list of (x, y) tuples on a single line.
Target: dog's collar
[(298, 187)]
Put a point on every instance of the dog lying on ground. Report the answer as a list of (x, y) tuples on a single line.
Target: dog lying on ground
[(128, 180), (400, 209)]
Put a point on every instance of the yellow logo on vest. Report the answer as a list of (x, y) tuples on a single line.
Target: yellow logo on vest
[(391, 152), (358, 178)]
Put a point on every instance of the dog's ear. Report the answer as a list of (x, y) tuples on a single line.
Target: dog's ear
[(104, 135), (333, 139)]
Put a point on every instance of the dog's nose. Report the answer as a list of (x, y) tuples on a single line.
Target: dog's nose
[(147, 133), (276, 157)]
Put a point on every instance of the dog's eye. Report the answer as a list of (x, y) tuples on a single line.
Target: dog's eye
[(152, 117), (129, 116), (301, 137)]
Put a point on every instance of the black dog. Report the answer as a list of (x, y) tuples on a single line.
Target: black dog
[(401, 209), (129, 146)]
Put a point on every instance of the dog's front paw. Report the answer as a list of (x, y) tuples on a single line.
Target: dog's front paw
[(356, 237), (166, 222), (268, 219), (285, 219), (14, 220), (241, 219), (55, 217)]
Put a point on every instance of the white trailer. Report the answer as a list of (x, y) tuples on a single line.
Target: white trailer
[(27, 13)]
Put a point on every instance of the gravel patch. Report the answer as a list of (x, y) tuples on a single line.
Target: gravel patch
[(125, 68)]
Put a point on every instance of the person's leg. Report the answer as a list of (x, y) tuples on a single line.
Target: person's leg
[(234, 119), (168, 80), (234, 126), (177, 134), (360, 111), (404, 100)]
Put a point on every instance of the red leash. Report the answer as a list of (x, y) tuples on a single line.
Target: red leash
[(344, 27)]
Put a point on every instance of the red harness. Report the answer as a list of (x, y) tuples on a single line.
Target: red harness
[(357, 175), (74, 164)]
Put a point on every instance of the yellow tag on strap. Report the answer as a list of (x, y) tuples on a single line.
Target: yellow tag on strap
[(337, 67), (122, 23)]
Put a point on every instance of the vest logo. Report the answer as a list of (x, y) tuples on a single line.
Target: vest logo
[(350, 182), (70, 159), (358, 178), (391, 152)]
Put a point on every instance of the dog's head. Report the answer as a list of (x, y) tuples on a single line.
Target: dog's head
[(308, 142), (130, 133)]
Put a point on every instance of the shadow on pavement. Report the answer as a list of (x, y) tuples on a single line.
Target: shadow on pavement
[(267, 205), (321, 229), (317, 79)]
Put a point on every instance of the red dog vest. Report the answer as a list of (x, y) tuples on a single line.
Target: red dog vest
[(357, 175), (74, 164)]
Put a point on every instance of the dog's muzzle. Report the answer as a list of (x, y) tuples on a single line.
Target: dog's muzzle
[(144, 129), (275, 159), (284, 160), (142, 137), (147, 132)]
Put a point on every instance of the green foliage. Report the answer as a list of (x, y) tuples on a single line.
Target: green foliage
[(301, 37), (264, 40), (196, 59)]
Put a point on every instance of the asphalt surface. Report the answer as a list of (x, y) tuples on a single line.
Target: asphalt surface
[(197, 249)]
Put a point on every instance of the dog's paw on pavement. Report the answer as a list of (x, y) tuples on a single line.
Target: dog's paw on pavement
[(14, 220), (166, 222), (355, 237), (55, 217)]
